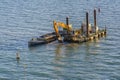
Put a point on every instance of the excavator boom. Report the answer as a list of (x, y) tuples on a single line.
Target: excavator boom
[(60, 24)]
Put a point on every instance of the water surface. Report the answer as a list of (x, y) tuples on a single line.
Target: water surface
[(23, 19)]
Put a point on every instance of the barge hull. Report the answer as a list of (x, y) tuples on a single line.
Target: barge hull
[(44, 39)]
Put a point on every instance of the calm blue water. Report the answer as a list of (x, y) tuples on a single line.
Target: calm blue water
[(20, 20)]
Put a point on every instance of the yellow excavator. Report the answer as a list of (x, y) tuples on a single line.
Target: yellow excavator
[(64, 26)]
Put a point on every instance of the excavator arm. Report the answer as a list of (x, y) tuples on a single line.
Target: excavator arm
[(60, 24)]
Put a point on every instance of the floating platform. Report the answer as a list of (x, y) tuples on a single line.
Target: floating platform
[(50, 37), (85, 33)]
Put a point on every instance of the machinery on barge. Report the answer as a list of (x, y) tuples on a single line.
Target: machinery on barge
[(85, 33)]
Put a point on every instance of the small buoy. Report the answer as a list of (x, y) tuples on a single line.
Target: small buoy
[(17, 56)]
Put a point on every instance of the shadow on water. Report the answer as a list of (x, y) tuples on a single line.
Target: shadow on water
[(42, 47), (21, 69), (93, 47), (69, 56), (66, 54), (21, 66), (65, 50), (33, 48)]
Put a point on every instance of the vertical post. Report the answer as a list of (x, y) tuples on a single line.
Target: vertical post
[(67, 23), (67, 20), (87, 24), (95, 22)]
